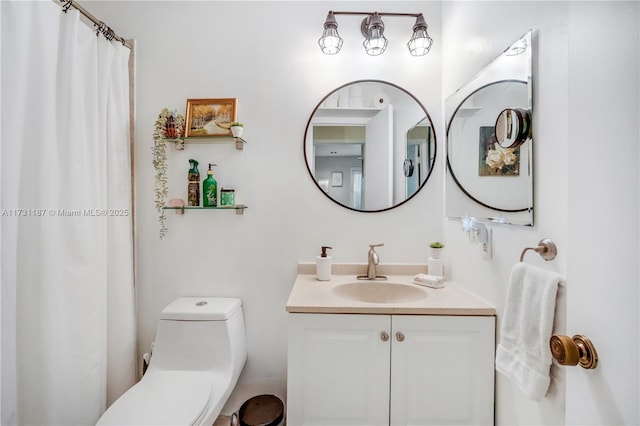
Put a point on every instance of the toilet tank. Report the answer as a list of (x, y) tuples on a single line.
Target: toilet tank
[(202, 334)]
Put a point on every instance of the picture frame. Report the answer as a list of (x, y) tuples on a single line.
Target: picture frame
[(210, 117), (493, 160), (336, 178)]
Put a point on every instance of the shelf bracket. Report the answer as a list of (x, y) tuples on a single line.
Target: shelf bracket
[(240, 144)]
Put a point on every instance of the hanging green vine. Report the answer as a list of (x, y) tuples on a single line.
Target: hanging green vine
[(169, 124)]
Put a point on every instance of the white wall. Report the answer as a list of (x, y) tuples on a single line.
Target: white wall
[(266, 55), (585, 83)]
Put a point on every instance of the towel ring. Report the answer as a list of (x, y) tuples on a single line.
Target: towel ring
[(546, 249)]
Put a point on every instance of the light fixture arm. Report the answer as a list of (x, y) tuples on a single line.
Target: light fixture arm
[(413, 15)]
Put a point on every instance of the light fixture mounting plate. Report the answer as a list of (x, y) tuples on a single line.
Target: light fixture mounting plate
[(366, 22)]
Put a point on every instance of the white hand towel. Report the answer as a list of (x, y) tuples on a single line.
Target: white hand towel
[(523, 354)]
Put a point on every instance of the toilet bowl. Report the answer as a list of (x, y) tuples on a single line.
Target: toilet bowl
[(199, 352)]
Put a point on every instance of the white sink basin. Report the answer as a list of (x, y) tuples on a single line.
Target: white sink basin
[(379, 292)]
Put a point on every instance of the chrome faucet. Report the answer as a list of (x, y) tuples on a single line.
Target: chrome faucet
[(372, 260)]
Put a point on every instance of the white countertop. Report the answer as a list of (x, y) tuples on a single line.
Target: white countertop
[(309, 295)]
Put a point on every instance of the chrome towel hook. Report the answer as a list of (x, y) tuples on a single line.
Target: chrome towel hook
[(546, 249)]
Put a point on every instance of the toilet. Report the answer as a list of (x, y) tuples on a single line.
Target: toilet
[(199, 352)]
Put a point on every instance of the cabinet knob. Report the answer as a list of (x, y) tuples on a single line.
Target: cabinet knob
[(384, 336), (574, 350), (399, 336)]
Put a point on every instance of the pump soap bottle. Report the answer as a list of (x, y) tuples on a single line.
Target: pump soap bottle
[(210, 189), (323, 265), (193, 190)]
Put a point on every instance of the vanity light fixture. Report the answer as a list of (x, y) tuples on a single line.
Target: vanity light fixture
[(330, 42), (375, 43), (372, 28), (420, 42)]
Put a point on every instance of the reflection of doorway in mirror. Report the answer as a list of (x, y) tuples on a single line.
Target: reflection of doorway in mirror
[(414, 179), (419, 153), (495, 160), (355, 196)]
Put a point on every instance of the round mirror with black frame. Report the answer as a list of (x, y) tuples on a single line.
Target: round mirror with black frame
[(475, 152), (361, 140)]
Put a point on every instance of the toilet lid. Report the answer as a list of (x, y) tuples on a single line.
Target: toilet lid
[(201, 308), (162, 398)]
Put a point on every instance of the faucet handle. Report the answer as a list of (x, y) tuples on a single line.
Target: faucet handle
[(376, 245)]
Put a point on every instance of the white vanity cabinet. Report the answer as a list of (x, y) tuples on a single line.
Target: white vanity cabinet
[(442, 370), (369, 369), (338, 370)]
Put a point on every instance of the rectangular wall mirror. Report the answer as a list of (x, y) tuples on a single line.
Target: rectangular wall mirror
[(490, 143)]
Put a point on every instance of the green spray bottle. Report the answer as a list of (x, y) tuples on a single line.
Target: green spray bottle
[(193, 190), (210, 189)]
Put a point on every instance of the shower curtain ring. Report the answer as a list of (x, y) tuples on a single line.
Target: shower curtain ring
[(67, 5), (106, 31), (109, 34), (99, 29)]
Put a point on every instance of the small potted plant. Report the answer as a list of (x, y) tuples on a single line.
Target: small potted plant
[(436, 249), (236, 129)]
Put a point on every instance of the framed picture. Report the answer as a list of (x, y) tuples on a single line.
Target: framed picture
[(336, 178), (210, 117), (495, 160)]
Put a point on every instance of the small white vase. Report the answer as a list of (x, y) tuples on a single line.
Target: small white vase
[(436, 253), (236, 131)]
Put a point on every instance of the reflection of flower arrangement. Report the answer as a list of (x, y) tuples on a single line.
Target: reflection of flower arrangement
[(494, 159), (499, 157)]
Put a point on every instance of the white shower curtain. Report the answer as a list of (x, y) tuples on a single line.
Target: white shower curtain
[(68, 322)]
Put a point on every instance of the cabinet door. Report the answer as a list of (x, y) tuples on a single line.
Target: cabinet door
[(442, 370), (338, 370)]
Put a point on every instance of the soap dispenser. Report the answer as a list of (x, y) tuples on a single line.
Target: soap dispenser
[(210, 189), (323, 265)]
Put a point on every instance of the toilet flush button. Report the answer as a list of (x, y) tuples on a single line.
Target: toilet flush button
[(201, 303)]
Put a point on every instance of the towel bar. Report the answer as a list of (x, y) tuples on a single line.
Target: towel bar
[(546, 249)]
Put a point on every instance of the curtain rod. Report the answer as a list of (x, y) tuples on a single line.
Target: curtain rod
[(106, 31)]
